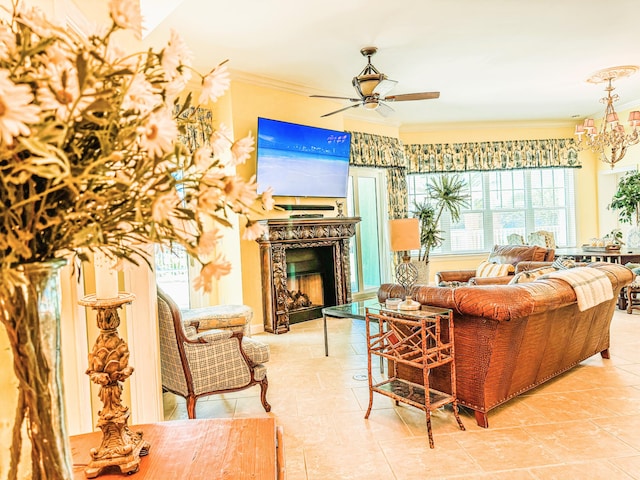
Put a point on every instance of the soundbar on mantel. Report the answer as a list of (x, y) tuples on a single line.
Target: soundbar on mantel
[(305, 207)]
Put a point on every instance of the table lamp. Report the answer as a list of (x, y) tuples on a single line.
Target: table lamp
[(405, 236)]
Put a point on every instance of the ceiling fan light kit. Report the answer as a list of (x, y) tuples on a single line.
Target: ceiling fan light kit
[(612, 135), (372, 88)]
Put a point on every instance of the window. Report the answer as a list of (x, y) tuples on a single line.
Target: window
[(175, 270), (172, 273), (505, 202)]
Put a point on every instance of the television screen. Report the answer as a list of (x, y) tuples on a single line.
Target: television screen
[(302, 161)]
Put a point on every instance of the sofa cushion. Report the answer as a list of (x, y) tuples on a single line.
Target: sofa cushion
[(531, 275), (487, 269)]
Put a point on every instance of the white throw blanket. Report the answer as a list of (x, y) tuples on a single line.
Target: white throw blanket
[(591, 285)]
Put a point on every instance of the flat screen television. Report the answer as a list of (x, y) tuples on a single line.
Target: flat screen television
[(302, 161)]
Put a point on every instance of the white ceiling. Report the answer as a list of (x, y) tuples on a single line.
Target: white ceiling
[(492, 60)]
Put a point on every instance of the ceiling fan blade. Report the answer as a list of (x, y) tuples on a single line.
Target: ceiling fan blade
[(337, 98), (412, 96), (384, 110), (384, 87), (341, 110)]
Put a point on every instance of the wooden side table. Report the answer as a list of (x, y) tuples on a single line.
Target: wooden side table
[(417, 339), (192, 449)]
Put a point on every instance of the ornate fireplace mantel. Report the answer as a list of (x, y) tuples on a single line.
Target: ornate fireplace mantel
[(290, 233)]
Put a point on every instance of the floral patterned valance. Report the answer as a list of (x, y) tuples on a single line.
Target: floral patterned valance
[(460, 157), (199, 130), (369, 150)]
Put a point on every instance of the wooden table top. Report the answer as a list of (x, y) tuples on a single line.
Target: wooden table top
[(218, 448)]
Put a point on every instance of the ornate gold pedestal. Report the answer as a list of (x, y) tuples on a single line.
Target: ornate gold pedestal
[(109, 367)]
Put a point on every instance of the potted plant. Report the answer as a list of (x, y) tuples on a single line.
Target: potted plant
[(445, 193), (626, 201)]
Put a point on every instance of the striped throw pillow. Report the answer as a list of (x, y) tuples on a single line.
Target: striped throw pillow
[(530, 275), (486, 269), (562, 263)]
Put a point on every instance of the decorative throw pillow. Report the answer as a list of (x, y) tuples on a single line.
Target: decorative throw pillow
[(563, 263), (530, 275), (486, 269), (453, 284)]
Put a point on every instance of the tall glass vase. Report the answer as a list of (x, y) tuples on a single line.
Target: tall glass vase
[(30, 313)]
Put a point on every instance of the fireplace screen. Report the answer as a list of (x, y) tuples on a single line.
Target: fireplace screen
[(310, 282)]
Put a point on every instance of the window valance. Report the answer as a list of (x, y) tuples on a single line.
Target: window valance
[(198, 131), (369, 150), (503, 155)]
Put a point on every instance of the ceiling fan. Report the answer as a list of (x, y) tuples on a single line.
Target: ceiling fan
[(372, 88)]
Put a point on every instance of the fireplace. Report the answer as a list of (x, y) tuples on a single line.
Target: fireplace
[(305, 267), (310, 282)]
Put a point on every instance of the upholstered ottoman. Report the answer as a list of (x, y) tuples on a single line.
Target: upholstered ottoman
[(233, 317)]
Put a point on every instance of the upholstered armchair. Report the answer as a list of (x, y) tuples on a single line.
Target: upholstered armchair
[(542, 238), (502, 255), (214, 361)]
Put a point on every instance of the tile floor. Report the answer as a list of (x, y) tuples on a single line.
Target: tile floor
[(582, 425)]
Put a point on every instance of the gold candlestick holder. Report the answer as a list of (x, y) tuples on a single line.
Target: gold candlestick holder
[(109, 367)]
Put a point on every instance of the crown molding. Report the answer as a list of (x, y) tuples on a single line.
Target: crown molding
[(487, 125), (261, 81)]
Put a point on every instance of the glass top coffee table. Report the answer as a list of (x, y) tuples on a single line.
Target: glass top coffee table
[(357, 310)]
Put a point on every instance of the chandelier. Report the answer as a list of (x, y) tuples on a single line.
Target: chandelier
[(611, 141)]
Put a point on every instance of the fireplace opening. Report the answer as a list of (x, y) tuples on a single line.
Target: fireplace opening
[(310, 282)]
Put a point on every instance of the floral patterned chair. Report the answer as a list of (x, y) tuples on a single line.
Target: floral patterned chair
[(197, 364), (542, 238)]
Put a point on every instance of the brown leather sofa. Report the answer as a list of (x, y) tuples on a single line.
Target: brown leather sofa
[(512, 254), (511, 338)]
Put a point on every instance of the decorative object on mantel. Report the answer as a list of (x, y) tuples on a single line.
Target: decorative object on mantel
[(339, 208), (404, 235), (109, 367), (626, 200), (611, 141), (91, 158)]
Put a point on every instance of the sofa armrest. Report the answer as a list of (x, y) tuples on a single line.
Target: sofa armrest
[(454, 276), (501, 280), (390, 290)]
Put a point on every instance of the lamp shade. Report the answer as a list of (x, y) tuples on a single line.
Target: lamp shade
[(405, 234)]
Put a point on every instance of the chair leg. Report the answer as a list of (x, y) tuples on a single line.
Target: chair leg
[(264, 384), (191, 406)]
